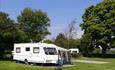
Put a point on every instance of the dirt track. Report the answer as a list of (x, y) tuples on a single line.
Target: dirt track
[(91, 61)]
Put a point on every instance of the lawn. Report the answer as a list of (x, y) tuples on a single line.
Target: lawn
[(11, 65)]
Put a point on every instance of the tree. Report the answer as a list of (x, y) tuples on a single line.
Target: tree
[(71, 33), (98, 22), (9, 34), (48, 41), (86, 44), (7, 29), (34, 23), (61, 40)]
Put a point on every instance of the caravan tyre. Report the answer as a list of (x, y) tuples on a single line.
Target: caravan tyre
[(26, 61)]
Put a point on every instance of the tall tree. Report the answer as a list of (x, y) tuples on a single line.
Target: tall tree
[(98, 22), (71, 33), (34, 23), (86, 44), (9, 34), (7, 29), (61, 41)]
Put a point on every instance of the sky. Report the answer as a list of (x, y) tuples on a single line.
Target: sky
[(60, 12)]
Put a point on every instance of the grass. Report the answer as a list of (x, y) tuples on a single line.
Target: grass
[(11, 65)]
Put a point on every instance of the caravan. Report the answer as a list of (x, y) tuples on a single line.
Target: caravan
[(38, 53)]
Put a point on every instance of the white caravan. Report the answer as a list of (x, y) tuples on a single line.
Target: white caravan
[(37, 53), (74, 50)]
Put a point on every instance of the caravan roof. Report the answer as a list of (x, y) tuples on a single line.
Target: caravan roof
[(40, 44), (33, 44)]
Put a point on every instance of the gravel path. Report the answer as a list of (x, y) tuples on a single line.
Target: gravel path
[(91, 61)]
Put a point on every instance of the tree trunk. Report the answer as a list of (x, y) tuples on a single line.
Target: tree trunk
[(104, 49)]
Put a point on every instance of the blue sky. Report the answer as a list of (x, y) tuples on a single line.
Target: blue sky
[(61, 12)]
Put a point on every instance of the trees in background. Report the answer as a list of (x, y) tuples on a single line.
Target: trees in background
[(99, 28), (86, 44), (61, 40), (6, 32), (34, 23), (9, 34), (70, 34), (98, 24), (31, 25), (68, 38)]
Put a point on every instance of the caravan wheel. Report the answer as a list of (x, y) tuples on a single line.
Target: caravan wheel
[(26, 61)]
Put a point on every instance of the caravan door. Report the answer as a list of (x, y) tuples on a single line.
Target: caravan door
[(27, 53), (37, 55), (51, 55)]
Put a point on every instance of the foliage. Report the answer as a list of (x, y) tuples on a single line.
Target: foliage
[(31, 25), (71, 33), (98, 23), (7, 29), (77, 43), (34, 23), (9, 33), (61, 41), (48, 41)]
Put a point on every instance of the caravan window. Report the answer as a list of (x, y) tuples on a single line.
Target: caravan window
[(36, 50), (18, 50), (27, 49), (74, 52), (50, 51)]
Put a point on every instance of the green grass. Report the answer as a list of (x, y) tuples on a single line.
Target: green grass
[(89, 66), (11, 65)]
